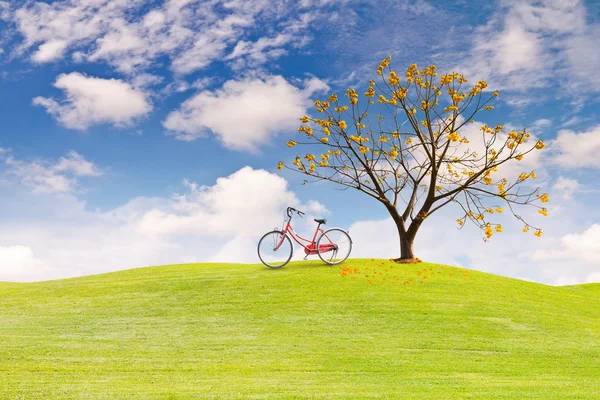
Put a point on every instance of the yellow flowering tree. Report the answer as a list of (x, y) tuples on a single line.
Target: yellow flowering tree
[(414, 155)]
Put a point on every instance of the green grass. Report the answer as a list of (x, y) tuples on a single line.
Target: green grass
[(245, 331)]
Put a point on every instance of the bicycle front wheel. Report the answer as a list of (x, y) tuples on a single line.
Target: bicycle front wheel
[(275, 249), (334, 246)]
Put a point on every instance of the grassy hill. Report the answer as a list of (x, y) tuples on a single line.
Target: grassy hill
[(305, 331)]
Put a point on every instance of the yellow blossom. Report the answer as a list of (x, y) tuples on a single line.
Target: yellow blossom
[(342, 124), (394, 79), (545, 198), (488, 231), (280, 165), (325, 139), (538, 233), (291, 143), (498, 228), (543, 211), (454, 137)]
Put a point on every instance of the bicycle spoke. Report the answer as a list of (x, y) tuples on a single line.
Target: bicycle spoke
[(271, 255), (334, 246)]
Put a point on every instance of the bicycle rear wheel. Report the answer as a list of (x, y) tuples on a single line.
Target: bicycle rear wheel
[(275, 249), (334, 246)]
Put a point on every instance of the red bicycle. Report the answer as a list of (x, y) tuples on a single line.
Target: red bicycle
[(275, 249)]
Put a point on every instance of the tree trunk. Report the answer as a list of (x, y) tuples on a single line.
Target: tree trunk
[(407, 253)]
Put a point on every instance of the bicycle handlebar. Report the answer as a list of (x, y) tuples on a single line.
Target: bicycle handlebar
[(291, 209)]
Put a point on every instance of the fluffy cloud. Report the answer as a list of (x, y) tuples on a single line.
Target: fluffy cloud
[(577, 149), (90, 101), (44, 176), (58, 237), (130, 35), (579, 250), (49, 51), (528, 45), (566, 187), (594, 277), (19, 263), (230, 207), (247, 54), (243, 114)]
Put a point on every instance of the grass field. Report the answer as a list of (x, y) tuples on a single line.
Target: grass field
[(305, 331)]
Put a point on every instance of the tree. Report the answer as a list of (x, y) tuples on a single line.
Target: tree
[(427, 165)]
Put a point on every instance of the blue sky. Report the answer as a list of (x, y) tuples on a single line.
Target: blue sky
[(141, 133)]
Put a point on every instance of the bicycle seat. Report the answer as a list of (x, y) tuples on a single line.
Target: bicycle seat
[(321, 221)]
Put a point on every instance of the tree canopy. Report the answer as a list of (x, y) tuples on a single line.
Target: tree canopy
[(407, 143)]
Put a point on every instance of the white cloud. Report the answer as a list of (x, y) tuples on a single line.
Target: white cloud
[(583, 55), (594, 277), (541, 124), (584, 246), (566, 187), (52, 177), (260, 51), (19, 263), (131, 35), (144, 80), (90, 101), (579, 247), (528, 45), (211, 45), (243, 114), (247, 54), (49, 51), (227, 208), (58, 237), (566, 280), (577, 149)]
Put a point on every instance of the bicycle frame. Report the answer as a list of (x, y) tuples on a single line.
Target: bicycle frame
[(310, 247)]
